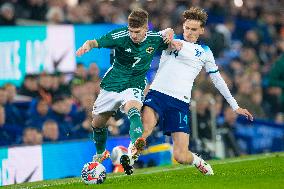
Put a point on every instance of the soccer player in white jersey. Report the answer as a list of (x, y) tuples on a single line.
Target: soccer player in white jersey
[(167, 102)]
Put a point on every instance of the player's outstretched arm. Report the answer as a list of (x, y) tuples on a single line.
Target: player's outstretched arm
[(244, 112), (224, 90), (86, 47)]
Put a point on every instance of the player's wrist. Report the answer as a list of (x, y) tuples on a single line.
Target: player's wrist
[(89, 44), (93, 44), (235, 109)]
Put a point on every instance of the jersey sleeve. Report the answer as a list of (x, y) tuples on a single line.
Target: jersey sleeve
[(221, 85), (159, 39), (162, 45), (112, 39), (212, 69), (209, 61)]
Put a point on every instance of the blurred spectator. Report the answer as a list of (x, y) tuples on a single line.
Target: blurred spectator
[(93, 71), (78, 89), (11, 92), (87, 102), (3, 96), (257, 109), (60, 110), (64, 87), (93, 87), (50, 131), (9, 134), (83, 129), (32, 136), (80, 72), (29, 86), (2, 115), (13, 114), (248, 55), (226, 29), (215, 40), (203, 118), (37, 113), (34, 9), (104, 12), (276, 80), (45, 87), (55, 15), (244, 94), (252, 40), (227, 132), (7, 14), (279, 118)]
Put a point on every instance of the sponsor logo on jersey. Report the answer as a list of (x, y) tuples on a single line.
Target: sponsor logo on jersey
[(149, 50), (128, 50)]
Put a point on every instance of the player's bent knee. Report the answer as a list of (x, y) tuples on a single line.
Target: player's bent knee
[(132, 104), (97, 123)]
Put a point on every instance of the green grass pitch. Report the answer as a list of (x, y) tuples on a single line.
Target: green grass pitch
[(251, 172)]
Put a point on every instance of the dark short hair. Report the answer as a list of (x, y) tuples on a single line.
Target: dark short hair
[(138, 18), (30, 76), (58, 98), (196, 13)]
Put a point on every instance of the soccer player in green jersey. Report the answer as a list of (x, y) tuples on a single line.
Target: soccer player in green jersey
[(123, 84)]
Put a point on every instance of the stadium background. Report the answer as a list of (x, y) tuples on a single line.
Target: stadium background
[(47, 93)]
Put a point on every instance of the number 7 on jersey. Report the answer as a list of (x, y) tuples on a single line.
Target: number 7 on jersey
[(136, 62)]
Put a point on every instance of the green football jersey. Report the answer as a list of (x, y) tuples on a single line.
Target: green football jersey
[(131, 60)]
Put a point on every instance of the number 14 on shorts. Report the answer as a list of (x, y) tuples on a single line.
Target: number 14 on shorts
[(183, 118)]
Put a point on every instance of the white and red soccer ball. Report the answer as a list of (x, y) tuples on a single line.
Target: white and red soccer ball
[(93, 173)]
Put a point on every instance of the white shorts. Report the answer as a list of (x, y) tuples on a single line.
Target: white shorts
[(108, 101)]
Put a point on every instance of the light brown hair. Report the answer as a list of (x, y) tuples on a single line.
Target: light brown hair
[(138, 18), (196, 13)]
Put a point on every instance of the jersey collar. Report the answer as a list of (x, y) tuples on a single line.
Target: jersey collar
[(142, 40)]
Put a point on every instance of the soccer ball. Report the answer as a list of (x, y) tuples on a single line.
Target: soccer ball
[(93, 173), (116, 153)]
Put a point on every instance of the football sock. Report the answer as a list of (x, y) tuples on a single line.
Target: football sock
[(136, 128), (100, 138)]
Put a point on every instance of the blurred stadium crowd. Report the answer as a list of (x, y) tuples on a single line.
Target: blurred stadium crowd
[(246, 37)]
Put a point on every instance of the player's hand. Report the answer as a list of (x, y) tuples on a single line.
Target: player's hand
[(169, 35), (177, 45), (84, 49), (244, 112)]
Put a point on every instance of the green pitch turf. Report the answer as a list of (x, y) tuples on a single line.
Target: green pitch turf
[(251, 172)]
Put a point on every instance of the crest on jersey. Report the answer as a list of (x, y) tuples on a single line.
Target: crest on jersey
[(149, 50), (197, 52)]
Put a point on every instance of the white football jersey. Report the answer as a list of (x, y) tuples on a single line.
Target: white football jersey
[(178, 70)]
